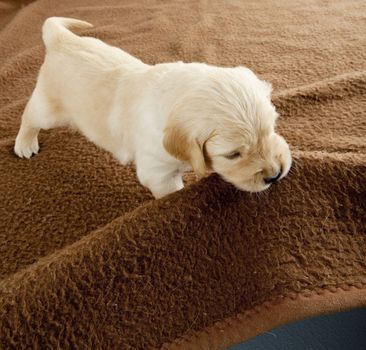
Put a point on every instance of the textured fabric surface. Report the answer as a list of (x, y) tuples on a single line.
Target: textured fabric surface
[(89, 260)]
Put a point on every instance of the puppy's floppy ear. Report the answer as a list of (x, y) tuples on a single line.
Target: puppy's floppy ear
[(180, 145)]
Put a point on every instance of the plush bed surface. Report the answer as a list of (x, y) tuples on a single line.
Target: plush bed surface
[(89, 260)]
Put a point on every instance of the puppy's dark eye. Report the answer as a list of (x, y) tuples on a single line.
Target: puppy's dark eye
[(233, 155)]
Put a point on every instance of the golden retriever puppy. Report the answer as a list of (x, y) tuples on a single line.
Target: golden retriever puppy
[(165, 118)]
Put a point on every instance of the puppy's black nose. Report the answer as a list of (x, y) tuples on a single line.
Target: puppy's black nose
[(271, 180)]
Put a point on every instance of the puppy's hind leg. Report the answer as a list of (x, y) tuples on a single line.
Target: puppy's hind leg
[(36, 110)]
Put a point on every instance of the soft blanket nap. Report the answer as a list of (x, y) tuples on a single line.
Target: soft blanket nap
[(89, 260)]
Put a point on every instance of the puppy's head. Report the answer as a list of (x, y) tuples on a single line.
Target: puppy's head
[(225, 123)]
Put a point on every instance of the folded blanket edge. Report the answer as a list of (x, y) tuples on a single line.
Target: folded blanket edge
[(271, 314)]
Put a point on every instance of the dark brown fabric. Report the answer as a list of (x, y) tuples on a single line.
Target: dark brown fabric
[(90, 260), (268, 315), (8, 9)]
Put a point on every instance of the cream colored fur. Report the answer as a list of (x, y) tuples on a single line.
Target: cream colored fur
[(164, 118)]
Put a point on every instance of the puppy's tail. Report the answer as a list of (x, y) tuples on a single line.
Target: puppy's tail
[(56, 28)]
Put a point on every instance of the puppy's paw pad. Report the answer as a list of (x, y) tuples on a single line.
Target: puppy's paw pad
[(26, 149)]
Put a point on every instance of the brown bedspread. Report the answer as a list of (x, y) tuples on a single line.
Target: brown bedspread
[(89, 261)]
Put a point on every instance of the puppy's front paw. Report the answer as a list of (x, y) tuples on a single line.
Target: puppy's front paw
[(25, 148)]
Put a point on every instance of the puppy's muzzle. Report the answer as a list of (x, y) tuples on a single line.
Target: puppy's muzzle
[(273, 179)]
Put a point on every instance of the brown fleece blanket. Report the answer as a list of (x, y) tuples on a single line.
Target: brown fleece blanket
[(88, 260)]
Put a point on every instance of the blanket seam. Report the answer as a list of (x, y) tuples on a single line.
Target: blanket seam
[(266, 305)]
